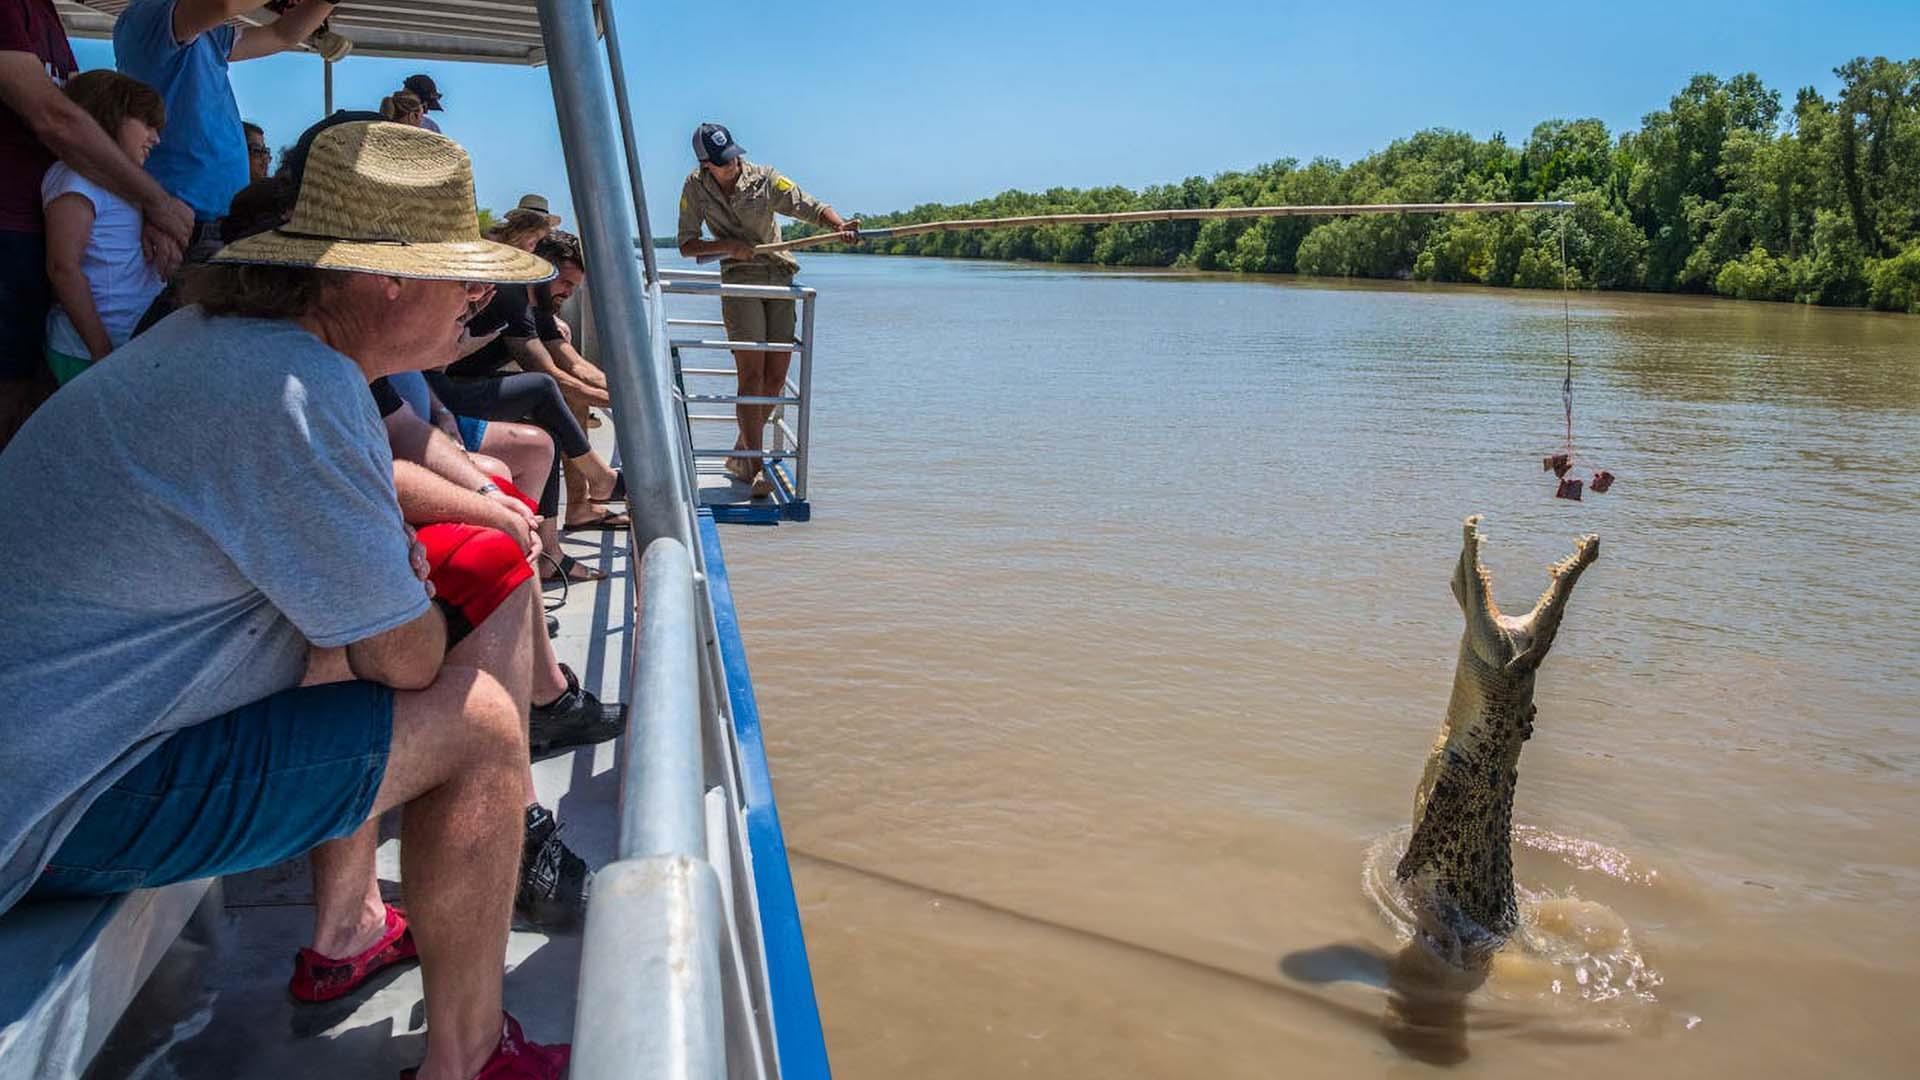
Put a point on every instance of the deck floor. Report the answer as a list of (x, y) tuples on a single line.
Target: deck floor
[(218, 1005)]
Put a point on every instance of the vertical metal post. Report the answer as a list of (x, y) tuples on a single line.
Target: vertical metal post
[(619, 71), (326, 85), (643, 408), (802, 434)]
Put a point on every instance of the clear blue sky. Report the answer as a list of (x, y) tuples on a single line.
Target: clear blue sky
[(878, 106)]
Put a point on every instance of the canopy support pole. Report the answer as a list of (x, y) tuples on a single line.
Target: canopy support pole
[(619, 71), (640, 380)]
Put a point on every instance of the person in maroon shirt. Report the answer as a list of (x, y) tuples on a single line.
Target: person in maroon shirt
[(39, 125)]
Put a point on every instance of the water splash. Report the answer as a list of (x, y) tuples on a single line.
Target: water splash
[(1570, 952)]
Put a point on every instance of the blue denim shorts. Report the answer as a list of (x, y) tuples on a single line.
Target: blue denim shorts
[(264, 783), (472, 431)]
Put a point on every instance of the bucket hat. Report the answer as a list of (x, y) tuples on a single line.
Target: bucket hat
[(538, 204), (381, 198)]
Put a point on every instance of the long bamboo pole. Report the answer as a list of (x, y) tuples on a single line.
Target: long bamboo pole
[(959, 225)]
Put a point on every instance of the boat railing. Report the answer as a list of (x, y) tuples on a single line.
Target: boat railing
[(785, 460), (693, 963), (674, 980), (651, 994)]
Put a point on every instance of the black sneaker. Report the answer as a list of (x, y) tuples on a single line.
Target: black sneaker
[(553, 880), (575, 718), (553, 627)]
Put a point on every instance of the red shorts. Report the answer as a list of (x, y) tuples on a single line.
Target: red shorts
[(474, 569), (506, 485)]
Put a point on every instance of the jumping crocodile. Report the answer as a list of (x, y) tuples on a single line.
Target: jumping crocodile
[(1458, 870)]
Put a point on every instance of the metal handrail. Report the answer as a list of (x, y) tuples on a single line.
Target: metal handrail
[(751, 455), (739, 399), (717, 288), (662, 785), (651, 993), (799, 385), (664, 942), (730, 345)]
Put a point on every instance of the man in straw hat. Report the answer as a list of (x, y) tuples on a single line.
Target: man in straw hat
[(253, 662)]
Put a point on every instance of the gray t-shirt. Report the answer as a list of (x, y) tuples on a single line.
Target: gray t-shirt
[(177, 525)]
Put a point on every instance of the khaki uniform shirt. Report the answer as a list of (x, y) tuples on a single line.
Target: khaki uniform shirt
[(747, 214)]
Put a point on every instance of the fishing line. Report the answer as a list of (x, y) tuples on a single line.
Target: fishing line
[(1561, 464), (1121, 217), (1566, 319)]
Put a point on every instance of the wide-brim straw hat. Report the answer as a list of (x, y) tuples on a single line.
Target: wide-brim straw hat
[(380, 198)]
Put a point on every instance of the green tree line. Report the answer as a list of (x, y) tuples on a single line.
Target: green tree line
[(1725, 191)]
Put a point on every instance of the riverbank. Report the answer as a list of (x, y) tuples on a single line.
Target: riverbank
[(1726, 191), (1177, 272)]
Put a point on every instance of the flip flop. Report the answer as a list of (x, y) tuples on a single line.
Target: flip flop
[(564, 570), (609, 521)]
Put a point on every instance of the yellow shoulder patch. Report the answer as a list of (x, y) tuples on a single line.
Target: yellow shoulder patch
[(781, 183), (685, 202)]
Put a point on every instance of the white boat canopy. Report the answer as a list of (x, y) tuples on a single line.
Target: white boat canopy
[(488, 31)]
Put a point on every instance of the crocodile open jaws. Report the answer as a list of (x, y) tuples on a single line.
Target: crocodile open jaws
[(1457, 872)]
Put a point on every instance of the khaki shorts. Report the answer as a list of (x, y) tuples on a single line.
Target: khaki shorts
[(751, 318)]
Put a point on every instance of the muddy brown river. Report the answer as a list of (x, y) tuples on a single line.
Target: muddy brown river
[(1097, 690)]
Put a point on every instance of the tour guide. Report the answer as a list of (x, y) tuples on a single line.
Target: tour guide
[(737, 199)]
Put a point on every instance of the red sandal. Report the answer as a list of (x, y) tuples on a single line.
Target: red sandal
[(324, 978), (517, 1059)]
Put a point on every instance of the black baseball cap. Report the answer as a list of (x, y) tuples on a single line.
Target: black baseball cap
[(423, 88), (267, 204), (293, 163), (714, 145)]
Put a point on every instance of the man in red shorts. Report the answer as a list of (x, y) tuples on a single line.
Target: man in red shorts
[(481, 535)]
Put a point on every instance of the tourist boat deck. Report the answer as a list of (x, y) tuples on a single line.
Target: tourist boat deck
[(692, 963)]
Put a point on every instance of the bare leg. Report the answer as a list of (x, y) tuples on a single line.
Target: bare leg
[(750, 367), (348, 914), (588, 477), (490, 465), (773, 383), (548, 681), (526, 451), (458, 762), (595, 470)]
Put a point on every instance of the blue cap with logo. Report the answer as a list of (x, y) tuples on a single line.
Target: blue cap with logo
[(714, 145)]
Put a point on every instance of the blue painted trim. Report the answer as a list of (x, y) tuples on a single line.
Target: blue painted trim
[(796, 1014), (759, 512)]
